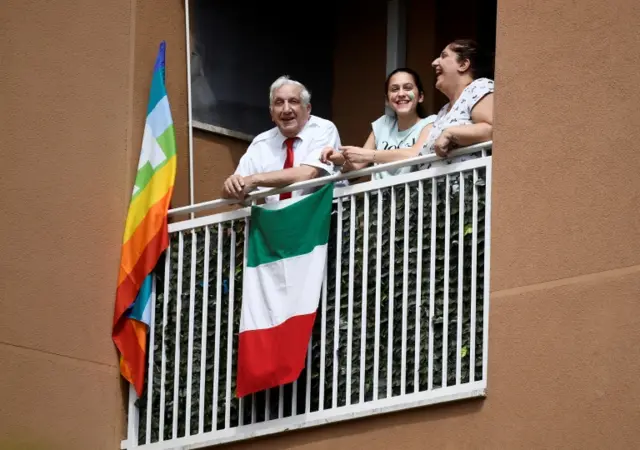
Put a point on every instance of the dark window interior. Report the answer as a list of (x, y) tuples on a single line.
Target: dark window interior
[(240, 47)]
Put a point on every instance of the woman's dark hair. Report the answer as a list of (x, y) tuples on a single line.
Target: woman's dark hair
[(416, 80), (480, 63)]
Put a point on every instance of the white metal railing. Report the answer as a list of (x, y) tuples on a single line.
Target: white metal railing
[(402, 321)]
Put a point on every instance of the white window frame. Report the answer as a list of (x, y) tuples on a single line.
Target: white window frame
[(396, 34)]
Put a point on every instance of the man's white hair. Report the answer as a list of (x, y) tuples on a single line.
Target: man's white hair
[(305, 95)]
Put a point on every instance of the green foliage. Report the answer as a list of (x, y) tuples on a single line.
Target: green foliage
[(386, 315)]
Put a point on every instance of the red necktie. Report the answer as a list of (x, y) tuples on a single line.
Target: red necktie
[(288, 163)]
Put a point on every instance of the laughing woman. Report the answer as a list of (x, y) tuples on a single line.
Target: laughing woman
[(462, 72), (394, 137)]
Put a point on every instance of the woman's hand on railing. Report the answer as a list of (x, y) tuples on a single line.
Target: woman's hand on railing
[(443, 144), (358, 155), (462, 136)]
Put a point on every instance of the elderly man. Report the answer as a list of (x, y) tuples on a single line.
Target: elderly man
[(289, 152)]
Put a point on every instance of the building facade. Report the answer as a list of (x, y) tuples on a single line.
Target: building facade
[(565, 230)]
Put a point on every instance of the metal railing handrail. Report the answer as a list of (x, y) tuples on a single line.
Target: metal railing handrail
[(320, 181)]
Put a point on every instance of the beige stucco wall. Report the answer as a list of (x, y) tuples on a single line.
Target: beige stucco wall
[(215, 157), (74, 82)]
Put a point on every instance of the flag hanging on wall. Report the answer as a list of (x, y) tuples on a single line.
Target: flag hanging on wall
[(146, 234), (286, 257)]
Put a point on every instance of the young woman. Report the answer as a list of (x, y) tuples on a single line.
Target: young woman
[(395, 136)]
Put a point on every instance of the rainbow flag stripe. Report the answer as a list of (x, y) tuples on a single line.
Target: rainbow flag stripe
[(146, 235)]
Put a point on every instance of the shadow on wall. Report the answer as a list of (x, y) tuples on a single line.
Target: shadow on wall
[(30, 443), (383, 424)]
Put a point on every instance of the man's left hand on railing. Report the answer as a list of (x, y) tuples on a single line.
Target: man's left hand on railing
[(237, 186)]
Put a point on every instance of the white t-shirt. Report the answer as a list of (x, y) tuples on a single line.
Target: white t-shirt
[(267, 152), (388, 137), (460, 114)]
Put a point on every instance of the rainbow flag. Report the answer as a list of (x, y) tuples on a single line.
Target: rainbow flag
[(146, 234)]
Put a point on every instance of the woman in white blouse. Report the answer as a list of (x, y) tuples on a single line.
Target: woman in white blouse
[(462, 73)]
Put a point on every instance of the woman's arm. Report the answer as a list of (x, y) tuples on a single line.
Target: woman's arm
[(388, 156), (365, 156), (351, 165), (463, 135)]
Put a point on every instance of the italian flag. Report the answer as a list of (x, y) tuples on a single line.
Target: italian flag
[(286, 257)]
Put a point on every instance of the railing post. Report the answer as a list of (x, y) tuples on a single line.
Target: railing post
[(133, 420), (487, 270)]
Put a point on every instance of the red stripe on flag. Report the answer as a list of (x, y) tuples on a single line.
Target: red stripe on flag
[(133, 352), (128, 289), (127, 332), (272, 357)]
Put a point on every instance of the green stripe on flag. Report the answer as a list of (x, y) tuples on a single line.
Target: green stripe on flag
[(145, 173), (291, 231), (143, 176), (167, 141)]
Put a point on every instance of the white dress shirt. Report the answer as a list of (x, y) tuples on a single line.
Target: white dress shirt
[(267, 152)]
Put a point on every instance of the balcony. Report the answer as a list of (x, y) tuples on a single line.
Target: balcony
[(402, 322)]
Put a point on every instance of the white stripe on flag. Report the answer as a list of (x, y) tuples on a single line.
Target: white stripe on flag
[(160, 118), (277, 291), (151, 152)]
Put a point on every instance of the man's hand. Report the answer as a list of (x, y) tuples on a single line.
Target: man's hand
[(237, 186), (357, 154), (327, 154), (337, 159)]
